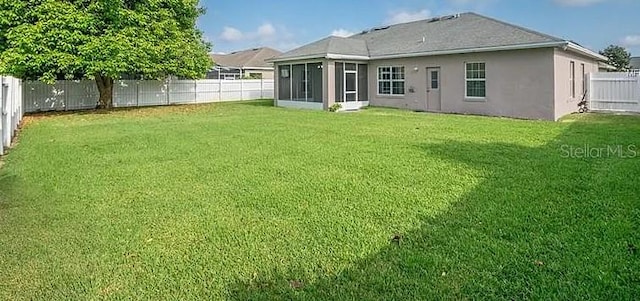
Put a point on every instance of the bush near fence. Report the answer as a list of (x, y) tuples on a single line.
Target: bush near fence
[(83, 94)]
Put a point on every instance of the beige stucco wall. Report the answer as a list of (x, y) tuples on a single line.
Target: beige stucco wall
[(564, 103), (519, 83)]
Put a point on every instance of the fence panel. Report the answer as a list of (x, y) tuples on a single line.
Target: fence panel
[(39, 96), (125, 93), (182, 91), (614, 92), (78, 95), (208, 90), (231, 90), (152, 93), (11, 110)]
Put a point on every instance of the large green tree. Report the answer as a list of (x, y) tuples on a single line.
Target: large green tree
[(101, 40), (618, 57)]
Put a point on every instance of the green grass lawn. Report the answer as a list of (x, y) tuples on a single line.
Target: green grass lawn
[(241, 201)]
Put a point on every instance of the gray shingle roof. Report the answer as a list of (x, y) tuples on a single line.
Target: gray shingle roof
[(466, 31), (334, 45), (246, 58), (635, 62)]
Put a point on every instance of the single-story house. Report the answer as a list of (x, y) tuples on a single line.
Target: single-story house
[(464, 63), (251, 63)]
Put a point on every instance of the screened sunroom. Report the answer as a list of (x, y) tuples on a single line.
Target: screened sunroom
[(329, 71), (320, 84)]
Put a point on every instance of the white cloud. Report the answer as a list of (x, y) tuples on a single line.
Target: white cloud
[(631, 40), (342, 33), (397, 17), (266, 34), (472, 4), (577, 2), (266, 30), (231, 34)]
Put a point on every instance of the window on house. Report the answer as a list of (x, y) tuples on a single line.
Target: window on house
[(391, 80), (572, 79), (475, 80), (434, 80), (584, 79)]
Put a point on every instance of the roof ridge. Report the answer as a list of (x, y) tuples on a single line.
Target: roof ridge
[(255, 55), (517, 26)]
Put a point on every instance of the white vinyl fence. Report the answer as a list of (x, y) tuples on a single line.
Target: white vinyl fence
[(11, 110), (83, 94), (614, 91)]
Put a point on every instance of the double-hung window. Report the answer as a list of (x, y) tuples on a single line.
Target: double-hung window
[(391, 80), (475, 80)]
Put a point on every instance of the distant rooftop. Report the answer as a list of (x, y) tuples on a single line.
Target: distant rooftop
[(255, 57), (635, 62)]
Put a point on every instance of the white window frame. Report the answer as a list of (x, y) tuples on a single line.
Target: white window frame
[(572, 79), (467, 80), (583, 69), (391, 80)]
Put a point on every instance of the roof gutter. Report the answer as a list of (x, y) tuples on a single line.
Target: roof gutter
[(297, 58), (333, 56), (565, 45), (584, 51)]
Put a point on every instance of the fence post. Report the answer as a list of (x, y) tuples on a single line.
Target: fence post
[(261, 88), (241, 89), (2, 101), (195, 91), (64, 94), (589, 90), (167, 84), (219, 89)]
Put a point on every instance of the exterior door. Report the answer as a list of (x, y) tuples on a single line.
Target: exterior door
[(350, 86), (433, 89)]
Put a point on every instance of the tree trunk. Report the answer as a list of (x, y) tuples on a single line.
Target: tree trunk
[(105, 87)]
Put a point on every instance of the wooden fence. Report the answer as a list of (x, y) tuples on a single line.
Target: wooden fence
[(614, 91), (10, 110), (66, 95)]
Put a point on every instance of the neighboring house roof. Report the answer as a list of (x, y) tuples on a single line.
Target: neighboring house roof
[(635, 62), (463, 33), (605, 66), (247, 59)]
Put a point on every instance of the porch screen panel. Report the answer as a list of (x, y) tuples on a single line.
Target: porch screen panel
[(298, 82), (363, 82), (284, 82), (315, 82), (339, 82), (351, 86)]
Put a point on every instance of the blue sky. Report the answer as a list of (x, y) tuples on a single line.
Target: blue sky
[(236, 25)]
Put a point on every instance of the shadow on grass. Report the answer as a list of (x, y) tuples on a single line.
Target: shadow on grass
[(258, 103), (538, 226), (7, 185)]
